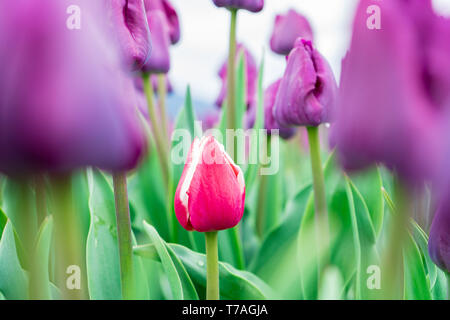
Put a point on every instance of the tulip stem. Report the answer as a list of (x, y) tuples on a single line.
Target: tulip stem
[(124, 234), (212, 266), (159, 140), (392, 263), (231, 73), (320, 202), (162, 91), (41, 204), (68, 239)]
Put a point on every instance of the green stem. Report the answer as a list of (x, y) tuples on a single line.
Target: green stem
[(261, 204), (124, 234), (320, 202), (162, 91), (231, 73), (41, 202), (212, 266), (159, 140), (392, 263), (67, 230)]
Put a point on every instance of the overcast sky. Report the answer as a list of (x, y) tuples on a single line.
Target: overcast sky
[(204, 43)]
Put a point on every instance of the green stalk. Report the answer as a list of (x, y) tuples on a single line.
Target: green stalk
[(231, 73), (392, 263), (67, 231), (159, 138), (41, 202), (162, 91), (124, 234), (212, 266), (320, 202), (260, 206)]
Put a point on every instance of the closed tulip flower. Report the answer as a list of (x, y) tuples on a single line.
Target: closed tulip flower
[(269, 122), (394, 83), (61, 107), (129, 20), (287, 29), (211, 192), (171, 15), (251, 77), (307, 92), (250, 5), (159, 61)]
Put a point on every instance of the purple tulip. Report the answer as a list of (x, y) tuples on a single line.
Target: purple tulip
[(287, 29), (63, 94), (251, 77), (250, 5), (129, 20), (159, 61), (439, 242), (307, 92), (171, 15), (394, 83), (269, 122)]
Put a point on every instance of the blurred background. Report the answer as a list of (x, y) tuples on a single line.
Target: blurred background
[(204, 41)]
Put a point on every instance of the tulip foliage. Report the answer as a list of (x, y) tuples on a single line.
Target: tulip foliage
[(270, 239)]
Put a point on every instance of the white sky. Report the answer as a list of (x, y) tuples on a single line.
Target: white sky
[(204, 38)]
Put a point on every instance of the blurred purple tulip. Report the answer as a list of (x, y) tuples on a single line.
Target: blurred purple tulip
[(439, 242), (269, 122), (171, 15), (159, 61), (251, 77), (287, 29), (129, 21), (63, 95), (307, 93), (394, 83), (250, 5)]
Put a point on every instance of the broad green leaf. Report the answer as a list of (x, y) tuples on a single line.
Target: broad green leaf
[(41, 260), (102, 253), (441, 287), (3, 221), (180, 283), (2, 297), (234, 284), (415, 278), (369, 184), (421, 238), (13, 279)]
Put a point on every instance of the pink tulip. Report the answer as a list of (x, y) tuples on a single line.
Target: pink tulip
[(211, 192)]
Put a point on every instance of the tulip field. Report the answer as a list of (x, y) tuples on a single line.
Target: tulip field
[(317, 185)]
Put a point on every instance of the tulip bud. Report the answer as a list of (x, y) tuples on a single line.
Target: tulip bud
[(170, 14), (159, 61), (211, 192), (394, 83), (250, 5), (287, 29), (63, 97), (307, 92), (269, 121), (130, 24), (251, 77)]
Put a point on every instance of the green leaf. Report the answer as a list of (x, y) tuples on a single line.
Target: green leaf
[(41, 259), (369, 184), (415, 278), (333, 284), (13, 279), (234, 284), (3, 221), (180, 283), (102, 252)]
